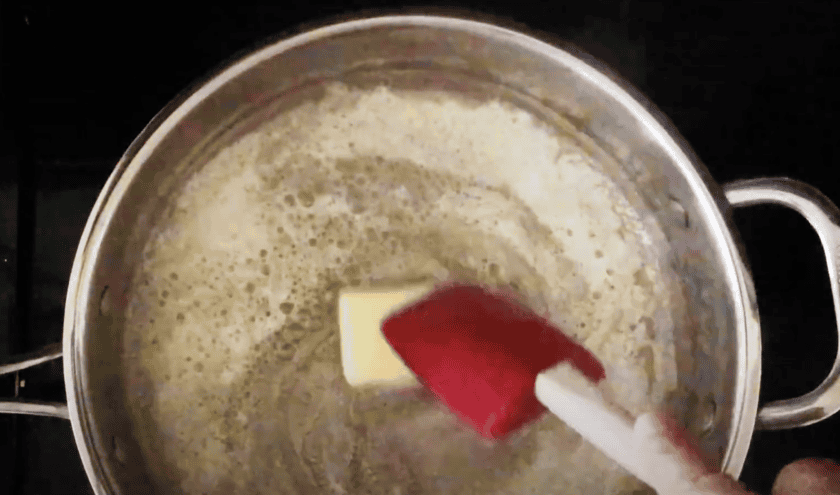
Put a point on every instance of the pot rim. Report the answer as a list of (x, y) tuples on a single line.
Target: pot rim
[(660, 129)]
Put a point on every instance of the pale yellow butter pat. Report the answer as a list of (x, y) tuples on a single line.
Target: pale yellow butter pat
[(366, 356)]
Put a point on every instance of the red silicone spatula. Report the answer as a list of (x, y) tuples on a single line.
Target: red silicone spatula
[(498, 365), (480, 354)]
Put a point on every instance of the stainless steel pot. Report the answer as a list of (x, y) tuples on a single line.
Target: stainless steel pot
[(720, 366)]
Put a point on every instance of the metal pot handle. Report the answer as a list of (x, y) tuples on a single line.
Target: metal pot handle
[(824, 216), (33, 408)]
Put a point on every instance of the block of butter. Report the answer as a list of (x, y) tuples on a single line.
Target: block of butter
[(367, 358)]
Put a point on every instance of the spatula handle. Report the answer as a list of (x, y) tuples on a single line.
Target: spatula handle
[(658, 463), (637, 446)]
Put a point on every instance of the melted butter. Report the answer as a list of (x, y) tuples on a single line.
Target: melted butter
[(233, 314)]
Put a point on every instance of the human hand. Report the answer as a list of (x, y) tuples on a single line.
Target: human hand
[(806, 476)]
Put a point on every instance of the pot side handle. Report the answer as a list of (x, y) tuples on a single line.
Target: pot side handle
[(824, 216), (33, 408)]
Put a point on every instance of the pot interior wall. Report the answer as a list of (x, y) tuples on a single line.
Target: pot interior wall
[(483, 64)]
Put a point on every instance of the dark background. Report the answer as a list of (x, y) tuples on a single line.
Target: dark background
[(751, 85)]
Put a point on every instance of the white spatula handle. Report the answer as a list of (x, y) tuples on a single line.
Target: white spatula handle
[(635, 445)]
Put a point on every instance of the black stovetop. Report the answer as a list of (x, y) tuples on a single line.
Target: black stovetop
[(751, 85)]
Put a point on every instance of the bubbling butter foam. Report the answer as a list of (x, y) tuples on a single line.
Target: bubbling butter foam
[(233, 319)]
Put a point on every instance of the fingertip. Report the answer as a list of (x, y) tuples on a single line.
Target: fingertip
[(812, 476)]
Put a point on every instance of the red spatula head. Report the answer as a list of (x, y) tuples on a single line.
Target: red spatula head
[(480, 354)]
